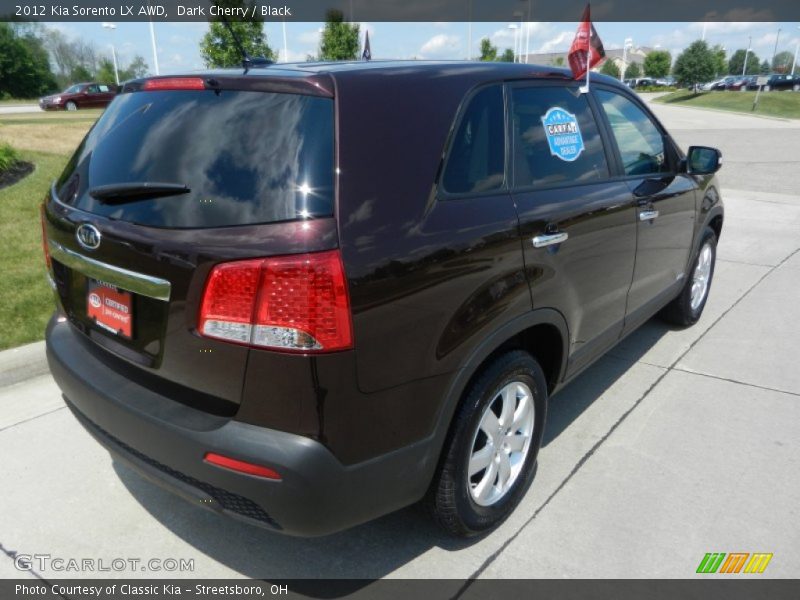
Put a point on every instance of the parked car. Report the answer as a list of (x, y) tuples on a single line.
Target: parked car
[(305, 331), (782, 81), (743, 83), (665, 81), (644, 82), (718, 84), (80, 95)]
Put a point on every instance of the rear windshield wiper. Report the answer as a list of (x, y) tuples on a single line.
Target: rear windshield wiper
[(119, 193)]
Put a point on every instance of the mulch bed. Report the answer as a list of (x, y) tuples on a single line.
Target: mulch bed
[(11, 176)]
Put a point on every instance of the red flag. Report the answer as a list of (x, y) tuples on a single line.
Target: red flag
[(586, 49)]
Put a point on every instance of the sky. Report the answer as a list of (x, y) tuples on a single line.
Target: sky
[(178, 42)]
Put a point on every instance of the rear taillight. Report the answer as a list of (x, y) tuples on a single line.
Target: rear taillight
[(45, 247), (295, 303), (174, 83)]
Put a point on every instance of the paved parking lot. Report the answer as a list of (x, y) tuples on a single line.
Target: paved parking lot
[(677, 444)]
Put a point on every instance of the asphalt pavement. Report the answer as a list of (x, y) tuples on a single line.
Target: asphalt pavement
[(676, 444)]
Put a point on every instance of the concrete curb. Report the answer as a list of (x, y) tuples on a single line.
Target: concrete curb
[(22, 363)]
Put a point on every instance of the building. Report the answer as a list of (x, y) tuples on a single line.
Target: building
[(559, 59)]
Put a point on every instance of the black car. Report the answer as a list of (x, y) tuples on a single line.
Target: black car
[(309, 295), (782, 81)]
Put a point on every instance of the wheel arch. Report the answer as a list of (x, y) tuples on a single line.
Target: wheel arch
[(536, 332)]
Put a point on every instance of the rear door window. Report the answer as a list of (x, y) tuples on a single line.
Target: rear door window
[(247, 158), (555, 137), (477, 154)]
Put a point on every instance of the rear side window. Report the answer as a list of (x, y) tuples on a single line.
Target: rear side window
[(477, 153), (556, 140), (247, 157), (641, 145)]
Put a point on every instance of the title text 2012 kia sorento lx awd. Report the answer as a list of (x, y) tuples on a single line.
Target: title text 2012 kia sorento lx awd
[(306, 296)]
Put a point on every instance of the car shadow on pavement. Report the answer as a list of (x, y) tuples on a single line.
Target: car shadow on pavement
[(374, 549)]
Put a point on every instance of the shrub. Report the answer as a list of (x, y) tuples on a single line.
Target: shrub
[(8, 157)]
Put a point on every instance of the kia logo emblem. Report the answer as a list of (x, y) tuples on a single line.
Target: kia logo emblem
[(88, 236)]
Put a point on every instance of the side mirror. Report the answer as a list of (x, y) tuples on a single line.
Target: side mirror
[(702, 160)]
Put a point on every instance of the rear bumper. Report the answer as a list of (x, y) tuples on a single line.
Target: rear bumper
[(166, 442)]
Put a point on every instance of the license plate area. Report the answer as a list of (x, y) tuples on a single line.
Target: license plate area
[(110, 308)]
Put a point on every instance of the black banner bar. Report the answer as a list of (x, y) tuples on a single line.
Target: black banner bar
[(704, 588), (401, 10)]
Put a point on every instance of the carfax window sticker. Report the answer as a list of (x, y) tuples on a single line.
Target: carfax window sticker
[(563, 134)]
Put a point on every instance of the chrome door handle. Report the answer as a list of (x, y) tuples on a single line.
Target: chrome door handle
[(648, 215), (548, 239)]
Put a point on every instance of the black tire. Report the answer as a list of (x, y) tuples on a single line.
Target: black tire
[(680, 311), (449, 499)]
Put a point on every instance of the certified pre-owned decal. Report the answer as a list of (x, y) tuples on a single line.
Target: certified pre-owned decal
[(563, 134)]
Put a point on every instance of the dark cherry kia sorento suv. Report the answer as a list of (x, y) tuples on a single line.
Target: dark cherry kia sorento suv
[(308, 295)]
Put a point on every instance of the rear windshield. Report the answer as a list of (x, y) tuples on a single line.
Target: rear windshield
[(247, 157)]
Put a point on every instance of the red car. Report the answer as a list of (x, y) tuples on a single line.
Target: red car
[(80, 95)]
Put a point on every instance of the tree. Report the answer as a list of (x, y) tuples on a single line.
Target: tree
[(75, 60), (696, 64), (339, 39), (782, 62), (488, 51), (507, 56), (105, 73), (24, 65), (720, 60), (657, 64), (219, 48), (81, 74), (137, 68), (736, 63), (610, 68), (764, 68), (633, 71)]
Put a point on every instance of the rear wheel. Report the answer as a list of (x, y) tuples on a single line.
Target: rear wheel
[(688, 306), (71, 105), (490, 456)]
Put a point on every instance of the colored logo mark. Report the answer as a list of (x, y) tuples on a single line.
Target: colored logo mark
[(735, 562)]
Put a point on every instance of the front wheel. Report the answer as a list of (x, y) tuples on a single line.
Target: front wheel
[(688, 306), (489, 459), (71, 106)]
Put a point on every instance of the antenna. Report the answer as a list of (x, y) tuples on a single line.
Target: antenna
[(247, 60)]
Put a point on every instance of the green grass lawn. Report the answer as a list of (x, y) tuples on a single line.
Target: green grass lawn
[(26, 301), (47, 141), (772, 104)]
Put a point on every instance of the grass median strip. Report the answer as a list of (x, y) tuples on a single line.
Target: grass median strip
[(772, 104), (26, 302)]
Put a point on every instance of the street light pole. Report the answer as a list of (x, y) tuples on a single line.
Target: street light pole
[(746, 54), (796, 48), (528, 33), (513, 27), (285, 43), (155, 48), (775, 50), (628, 43), (112, 27)]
